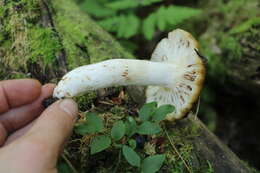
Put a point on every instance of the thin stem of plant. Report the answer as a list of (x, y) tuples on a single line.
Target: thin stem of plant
[(176, 151), (68, 162), (198, 108), (119, 160)]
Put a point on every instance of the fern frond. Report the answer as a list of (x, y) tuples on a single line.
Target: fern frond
[(161, 14), (133, 26), (97, 9), (149, 2), (122, 26), (125, 26), (166, 17), (127, 4), (149, 26), (110, 24), (176, 14), (122, 4)]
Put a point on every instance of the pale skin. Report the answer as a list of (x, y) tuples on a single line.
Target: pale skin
[(32, 138)]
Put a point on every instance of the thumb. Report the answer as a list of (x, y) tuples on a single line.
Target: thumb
[(38, 149), (54, 125)]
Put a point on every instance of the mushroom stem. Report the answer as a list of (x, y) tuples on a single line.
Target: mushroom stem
[(174, 75), (115, 72)]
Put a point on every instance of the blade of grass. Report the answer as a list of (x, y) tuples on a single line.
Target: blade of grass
[(176, 151), (119, 160), (68, 162)]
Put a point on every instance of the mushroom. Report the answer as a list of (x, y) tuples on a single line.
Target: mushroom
[(174, 75)]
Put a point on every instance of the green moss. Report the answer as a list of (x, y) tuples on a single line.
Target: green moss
[(25, 38), (222, 42), (43, 45), (2, 10), (18, 75), (84, 41), (183, 132), (2, 38), (118, 111), (178, 164), (182, 135), (31, 4), (232, 5), (85, 101), (245, 26), (16, 22), (210, 50), (231, 46)]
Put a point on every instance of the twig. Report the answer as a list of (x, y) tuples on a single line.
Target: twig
[(68, 162), (175, 149), (106, 103)]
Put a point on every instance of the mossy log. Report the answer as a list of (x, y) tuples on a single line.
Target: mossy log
[(207, 146), (44, 39), (229, 35)]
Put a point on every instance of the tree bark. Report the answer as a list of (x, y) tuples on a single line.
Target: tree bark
[(44, 39)]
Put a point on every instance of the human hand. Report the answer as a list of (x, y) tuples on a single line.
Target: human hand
[(36, 135)]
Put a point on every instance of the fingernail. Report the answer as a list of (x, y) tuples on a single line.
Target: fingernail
[(69, 106)]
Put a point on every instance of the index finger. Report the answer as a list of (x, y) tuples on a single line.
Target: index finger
[(14, 93)]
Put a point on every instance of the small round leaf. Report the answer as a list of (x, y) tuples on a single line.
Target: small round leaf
[(161, 112), (152, 164), (92, 124), (99, 143), (148, 128), (147, 110), (118, 130), (131, 156)]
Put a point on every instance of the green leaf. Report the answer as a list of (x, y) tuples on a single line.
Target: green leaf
[(152, 164), (245, 25), (132, 143), (161, 112), (147, 110), (118, 130), (148, 128), (177, 14), (149, 26), (161, 15), (63, 167), (93, 124), (149, 2), (123, 25), (130, 127), (128, 4), (111, 24), (99, 143), (96, 8), (122, 4), (133, 25), (131, 156)]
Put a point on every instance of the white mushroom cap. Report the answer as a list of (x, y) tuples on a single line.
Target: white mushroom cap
[(180, 48)]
